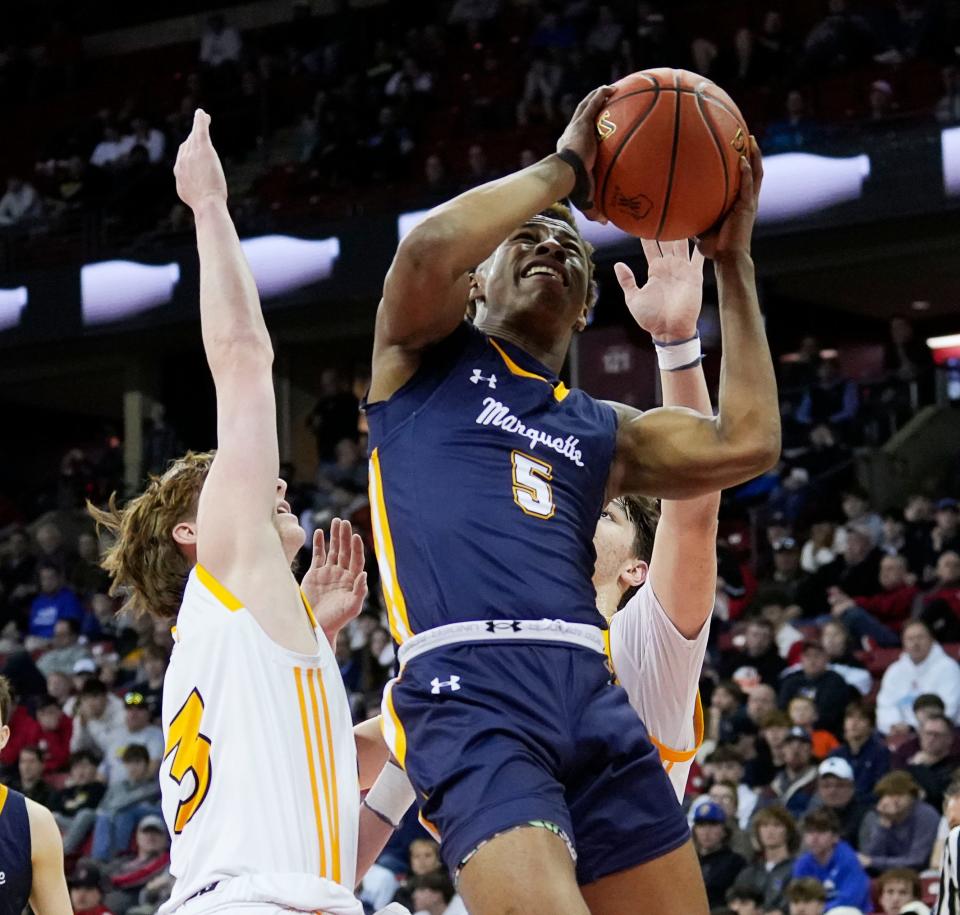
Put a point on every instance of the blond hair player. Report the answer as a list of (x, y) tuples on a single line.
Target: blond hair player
[(259, 776)]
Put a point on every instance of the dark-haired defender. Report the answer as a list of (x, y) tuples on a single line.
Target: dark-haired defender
[(31, 852), (487, 480)]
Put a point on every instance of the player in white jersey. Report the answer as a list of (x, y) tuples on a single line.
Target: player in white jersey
[(259, 776), (658, 637)]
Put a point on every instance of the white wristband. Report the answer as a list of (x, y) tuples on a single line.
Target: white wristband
[(391, 795), (679, 354)]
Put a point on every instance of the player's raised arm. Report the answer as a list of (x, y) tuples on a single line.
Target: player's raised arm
[(425, 291), (677, 454), (239, 497), (683, 567)]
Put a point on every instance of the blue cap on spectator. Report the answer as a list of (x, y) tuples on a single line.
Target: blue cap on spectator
[(947, 504), (709, 812)]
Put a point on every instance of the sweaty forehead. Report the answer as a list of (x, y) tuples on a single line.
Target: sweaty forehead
[(553, 225)]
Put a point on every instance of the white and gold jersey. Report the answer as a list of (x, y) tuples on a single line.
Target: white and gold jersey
[(660, 670), (259, 775)]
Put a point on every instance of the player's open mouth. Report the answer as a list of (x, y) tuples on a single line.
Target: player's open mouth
[(545, 268), (283, 508)]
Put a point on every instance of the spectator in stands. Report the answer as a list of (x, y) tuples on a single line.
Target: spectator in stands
[(842, 39), (130, 874), (881, 105), (907, 361), (478, 168), (60, 687), (856, 509), (836, 791), (220, 44), (726, 765), (75, 805), (54, 735), (934, 763), (825, 454), (788, 577), (796, 131), (137, 730), (820, 549), (17, 573), (896, 888), (777, 839), (726, 711), (464, 11), (149, 683), (54, 602), (857, 570), (540, 85), (773, 606), (946, 529), (759, 652), (437, 186), (828, 689), (99, 719), (832, 861), (795, 784), (923, 667), (837, 644), (434, 894), (151, 139), (806, 896), (925, 706), (863, 748), (879, 616), (718, 862), (30, 781), (947, 109), (941, 604), (833, 399), (21, 204), (65, 648), (726, 795), (109, 152), (86, 891), (901, 829), (803, 713), (763, 55), (335, 414), (126, 802), (605, 35), (744, 900), (774, 729), (87, 577)]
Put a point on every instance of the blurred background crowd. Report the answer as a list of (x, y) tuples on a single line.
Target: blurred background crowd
[(832, 687)]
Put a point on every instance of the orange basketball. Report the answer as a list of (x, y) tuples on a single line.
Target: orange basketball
[(668, 157)]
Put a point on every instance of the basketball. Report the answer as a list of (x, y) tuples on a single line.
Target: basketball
[(668, 155)]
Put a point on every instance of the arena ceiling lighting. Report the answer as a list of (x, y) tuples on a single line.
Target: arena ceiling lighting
[(12, 303), (950, 149), (282, 264), (116, 290), (795, 185)]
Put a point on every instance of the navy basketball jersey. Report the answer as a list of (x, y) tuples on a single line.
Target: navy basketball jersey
[(16, 853), (487, 478)]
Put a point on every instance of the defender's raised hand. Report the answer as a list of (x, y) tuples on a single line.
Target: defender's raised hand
[(335, 584), (198, 170), (668, 304)]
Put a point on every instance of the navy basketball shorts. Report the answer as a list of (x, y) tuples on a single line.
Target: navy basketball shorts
[(497, 735)]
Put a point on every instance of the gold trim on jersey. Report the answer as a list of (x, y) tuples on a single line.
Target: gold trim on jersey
[(392, 728), (218, 590), (327, 774), (311, 767), (309, 609), (426, 824), (671, 756), (4, 794), (386, 558), (560, 390)]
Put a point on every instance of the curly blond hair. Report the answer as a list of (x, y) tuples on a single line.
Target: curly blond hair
[(146, 566)]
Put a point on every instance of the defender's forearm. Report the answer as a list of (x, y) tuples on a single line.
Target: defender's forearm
[(230, 315)]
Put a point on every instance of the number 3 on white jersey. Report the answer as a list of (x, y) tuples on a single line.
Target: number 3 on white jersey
[(531, 485)]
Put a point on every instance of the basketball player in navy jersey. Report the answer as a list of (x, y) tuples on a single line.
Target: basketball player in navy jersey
[(31, 852), (487, 480)]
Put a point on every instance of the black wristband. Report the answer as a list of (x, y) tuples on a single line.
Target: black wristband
[(580, 195)]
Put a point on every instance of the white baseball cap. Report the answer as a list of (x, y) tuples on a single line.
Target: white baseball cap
[(838, 767)]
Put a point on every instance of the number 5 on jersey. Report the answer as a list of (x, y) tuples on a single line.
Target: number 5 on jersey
[(531, 485), (191, 753)]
